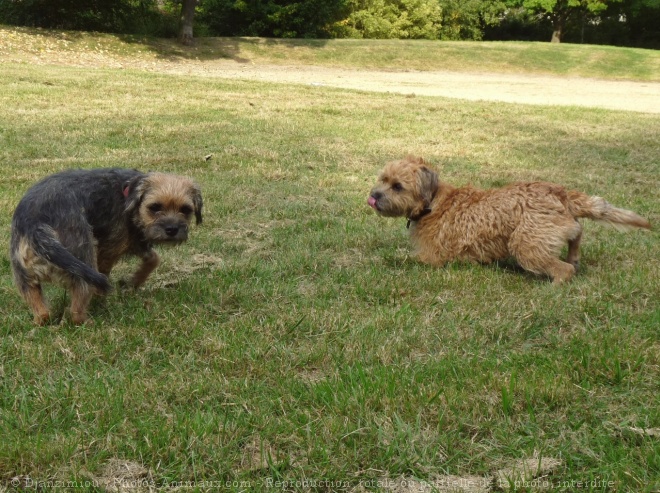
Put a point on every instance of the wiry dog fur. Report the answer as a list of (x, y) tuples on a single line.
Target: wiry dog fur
[(528, 221), (72, 228)]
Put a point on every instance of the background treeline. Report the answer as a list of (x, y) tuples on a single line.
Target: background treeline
[(615, 22)]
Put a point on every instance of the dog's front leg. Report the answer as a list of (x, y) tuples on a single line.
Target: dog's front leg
[(150, 261)]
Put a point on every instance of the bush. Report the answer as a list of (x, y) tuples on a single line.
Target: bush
[(467, 19), (271, 18), (119, 16), (519, 25), (383, 19)]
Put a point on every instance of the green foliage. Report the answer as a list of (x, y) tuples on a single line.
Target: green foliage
[(519, 24), (271, 18), (467, 19), (618, 22), (558, 6), (560, 12), (641, 26), (613, 22), (134, 16), (384, 19)]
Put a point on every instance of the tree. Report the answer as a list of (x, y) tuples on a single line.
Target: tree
[(559, 11), (187, 17)]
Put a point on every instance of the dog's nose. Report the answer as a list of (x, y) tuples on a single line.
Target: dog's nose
[(373, 199), (171, 230)]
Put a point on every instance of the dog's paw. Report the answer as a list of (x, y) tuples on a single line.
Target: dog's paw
[(75, 318)]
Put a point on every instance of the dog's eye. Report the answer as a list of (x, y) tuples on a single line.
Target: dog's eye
[(397, 187), (155, 208), (186, 210)]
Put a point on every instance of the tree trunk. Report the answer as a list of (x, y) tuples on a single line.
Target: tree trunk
[(187, 16), (558, 22)]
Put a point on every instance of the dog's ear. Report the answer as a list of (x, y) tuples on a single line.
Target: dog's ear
[(427, 180), (134, 190), (411, 158), (197, 203)]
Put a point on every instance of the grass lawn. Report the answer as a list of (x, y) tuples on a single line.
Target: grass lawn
[(293, 343)]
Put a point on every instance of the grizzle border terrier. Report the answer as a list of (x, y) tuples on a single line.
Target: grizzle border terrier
[(72, 228), (528, 221)]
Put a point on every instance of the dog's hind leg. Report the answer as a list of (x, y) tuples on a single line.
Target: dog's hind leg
[(549, 265), (573, 256), (26, 269), (558, 270), (81, 294), (35, 299), (536, 248)]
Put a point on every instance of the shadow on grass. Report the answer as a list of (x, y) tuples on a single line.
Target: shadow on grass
[(216, 48), (212, 48)]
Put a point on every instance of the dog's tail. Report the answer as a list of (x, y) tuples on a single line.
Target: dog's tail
[(45, 244), (598, 209)]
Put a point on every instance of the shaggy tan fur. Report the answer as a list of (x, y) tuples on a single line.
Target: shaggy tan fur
[(528, 221)]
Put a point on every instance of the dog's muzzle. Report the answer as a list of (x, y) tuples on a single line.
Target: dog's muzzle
[(170, 232), (373, 200)]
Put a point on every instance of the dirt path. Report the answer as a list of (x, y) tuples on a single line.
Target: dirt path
[(511, 88), (526, 89)]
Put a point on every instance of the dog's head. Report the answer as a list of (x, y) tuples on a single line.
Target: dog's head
[(163, 205), (404, 188)]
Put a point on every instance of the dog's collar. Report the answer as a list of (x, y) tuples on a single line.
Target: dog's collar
[(426, 210), (417, 217)]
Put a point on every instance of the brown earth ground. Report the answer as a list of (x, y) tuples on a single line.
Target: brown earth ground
[(508, 88)]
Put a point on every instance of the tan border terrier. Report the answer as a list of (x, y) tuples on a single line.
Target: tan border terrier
[(530, 222), (72, 227)]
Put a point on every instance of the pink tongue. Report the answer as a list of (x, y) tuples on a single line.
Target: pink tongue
[(372, 202)]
